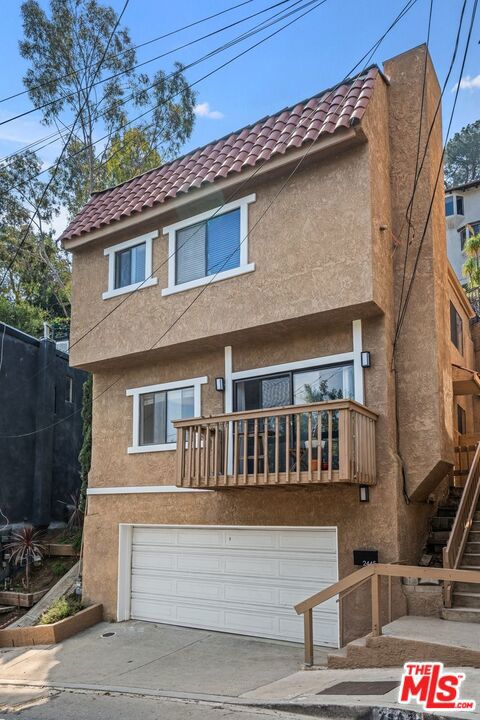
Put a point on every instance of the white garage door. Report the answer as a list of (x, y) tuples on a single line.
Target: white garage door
[(237, 580)]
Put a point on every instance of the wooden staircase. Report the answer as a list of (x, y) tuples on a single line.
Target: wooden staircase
[(462, 600)]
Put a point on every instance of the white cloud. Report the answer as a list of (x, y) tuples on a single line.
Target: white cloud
[(468, 83), (203, 110)]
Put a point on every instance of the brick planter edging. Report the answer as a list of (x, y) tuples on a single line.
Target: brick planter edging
[(54, 633)]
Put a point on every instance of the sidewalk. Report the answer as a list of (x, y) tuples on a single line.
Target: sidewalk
[(162, 661)]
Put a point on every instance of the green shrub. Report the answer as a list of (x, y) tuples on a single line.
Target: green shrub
[(59, 568), (59, 610)]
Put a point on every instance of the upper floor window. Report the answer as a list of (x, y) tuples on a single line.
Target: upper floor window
[(130, 265), (209, 247), (454, 205), (456, 328), (69, 389), (156, 407)]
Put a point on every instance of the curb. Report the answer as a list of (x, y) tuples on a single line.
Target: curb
[(334, 711)]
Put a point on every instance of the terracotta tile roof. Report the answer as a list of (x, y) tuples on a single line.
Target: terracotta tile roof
[(275, 135)]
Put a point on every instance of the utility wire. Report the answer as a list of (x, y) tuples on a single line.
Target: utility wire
[(129, 49), (57, 165), (274, 19), (440, 166), (407, 7), (69, 95)]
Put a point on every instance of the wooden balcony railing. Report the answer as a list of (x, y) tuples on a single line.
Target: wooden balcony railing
[(322, 442), (453, 552)]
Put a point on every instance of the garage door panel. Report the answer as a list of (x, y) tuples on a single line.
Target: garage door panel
[(240, 580)]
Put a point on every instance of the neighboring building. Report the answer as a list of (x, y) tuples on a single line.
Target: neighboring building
[(262, 315), (40, 402), (462, 210)]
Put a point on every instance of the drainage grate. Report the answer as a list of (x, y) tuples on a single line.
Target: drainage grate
[(108, 634), (361, 688)]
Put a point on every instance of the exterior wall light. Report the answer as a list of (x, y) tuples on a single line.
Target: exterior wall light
[(220, 384), (365, 359), (364, 493)]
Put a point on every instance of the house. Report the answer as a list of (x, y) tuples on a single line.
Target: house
[(40, 429), (251, 441), (462, 210)]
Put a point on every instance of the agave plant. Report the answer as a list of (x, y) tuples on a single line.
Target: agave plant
[(75, 512), (26, 548)]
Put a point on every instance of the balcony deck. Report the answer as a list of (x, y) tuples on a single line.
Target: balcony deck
[(326, 442)]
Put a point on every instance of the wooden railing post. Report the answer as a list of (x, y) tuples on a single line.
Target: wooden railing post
[(376, 622), (308, 635)]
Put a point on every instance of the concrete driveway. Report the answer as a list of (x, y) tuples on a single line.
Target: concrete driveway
[(177, 661)]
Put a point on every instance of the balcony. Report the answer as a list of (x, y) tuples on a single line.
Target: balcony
[(326, 442)]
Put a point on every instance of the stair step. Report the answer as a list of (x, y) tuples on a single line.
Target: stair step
[(474, 536), (475, 526), (462, 614), (472, 547), (447, 511), (469, 567), (466, 587), (440, 537), (471, 559), (444, 523), (466, 599)]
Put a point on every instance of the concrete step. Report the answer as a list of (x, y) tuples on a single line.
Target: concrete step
[(471, 559), (475, 526), (472, 547), (466, 599), (462, 614), (474, 536)]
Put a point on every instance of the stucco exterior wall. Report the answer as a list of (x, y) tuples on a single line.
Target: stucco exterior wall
[(294, 242)]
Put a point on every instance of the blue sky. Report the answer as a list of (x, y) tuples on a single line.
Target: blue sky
[(312, 54)]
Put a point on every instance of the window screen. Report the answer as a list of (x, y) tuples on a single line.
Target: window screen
[(208, 248)]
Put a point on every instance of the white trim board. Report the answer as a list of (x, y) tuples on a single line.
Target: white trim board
[(142, 489)]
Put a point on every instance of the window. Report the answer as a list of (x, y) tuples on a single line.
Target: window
[(157, 412), (459, 199), (156, 407), (461, 420), (68, 389), (468, 231), (130, 265), (298, 387), (209, 247), (449, 206), (454, 205), (456, 328)]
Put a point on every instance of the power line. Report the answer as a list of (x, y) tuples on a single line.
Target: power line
[(274, 19), (440, 166), (134, 47), (67, 96), (370, 52), (30, 223)]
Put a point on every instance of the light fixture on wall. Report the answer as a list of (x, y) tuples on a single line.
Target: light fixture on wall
[(364, 493), (220, 384), (365, 359)]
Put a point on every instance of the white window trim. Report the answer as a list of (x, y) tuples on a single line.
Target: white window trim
[(244, 267), (113, 249), (196, 383)]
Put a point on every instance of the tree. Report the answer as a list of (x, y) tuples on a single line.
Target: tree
[(65, 48), (462, 156), (471, 267), (36, 286)]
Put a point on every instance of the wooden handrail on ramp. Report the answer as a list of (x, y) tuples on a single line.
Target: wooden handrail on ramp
[(373, 573)]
